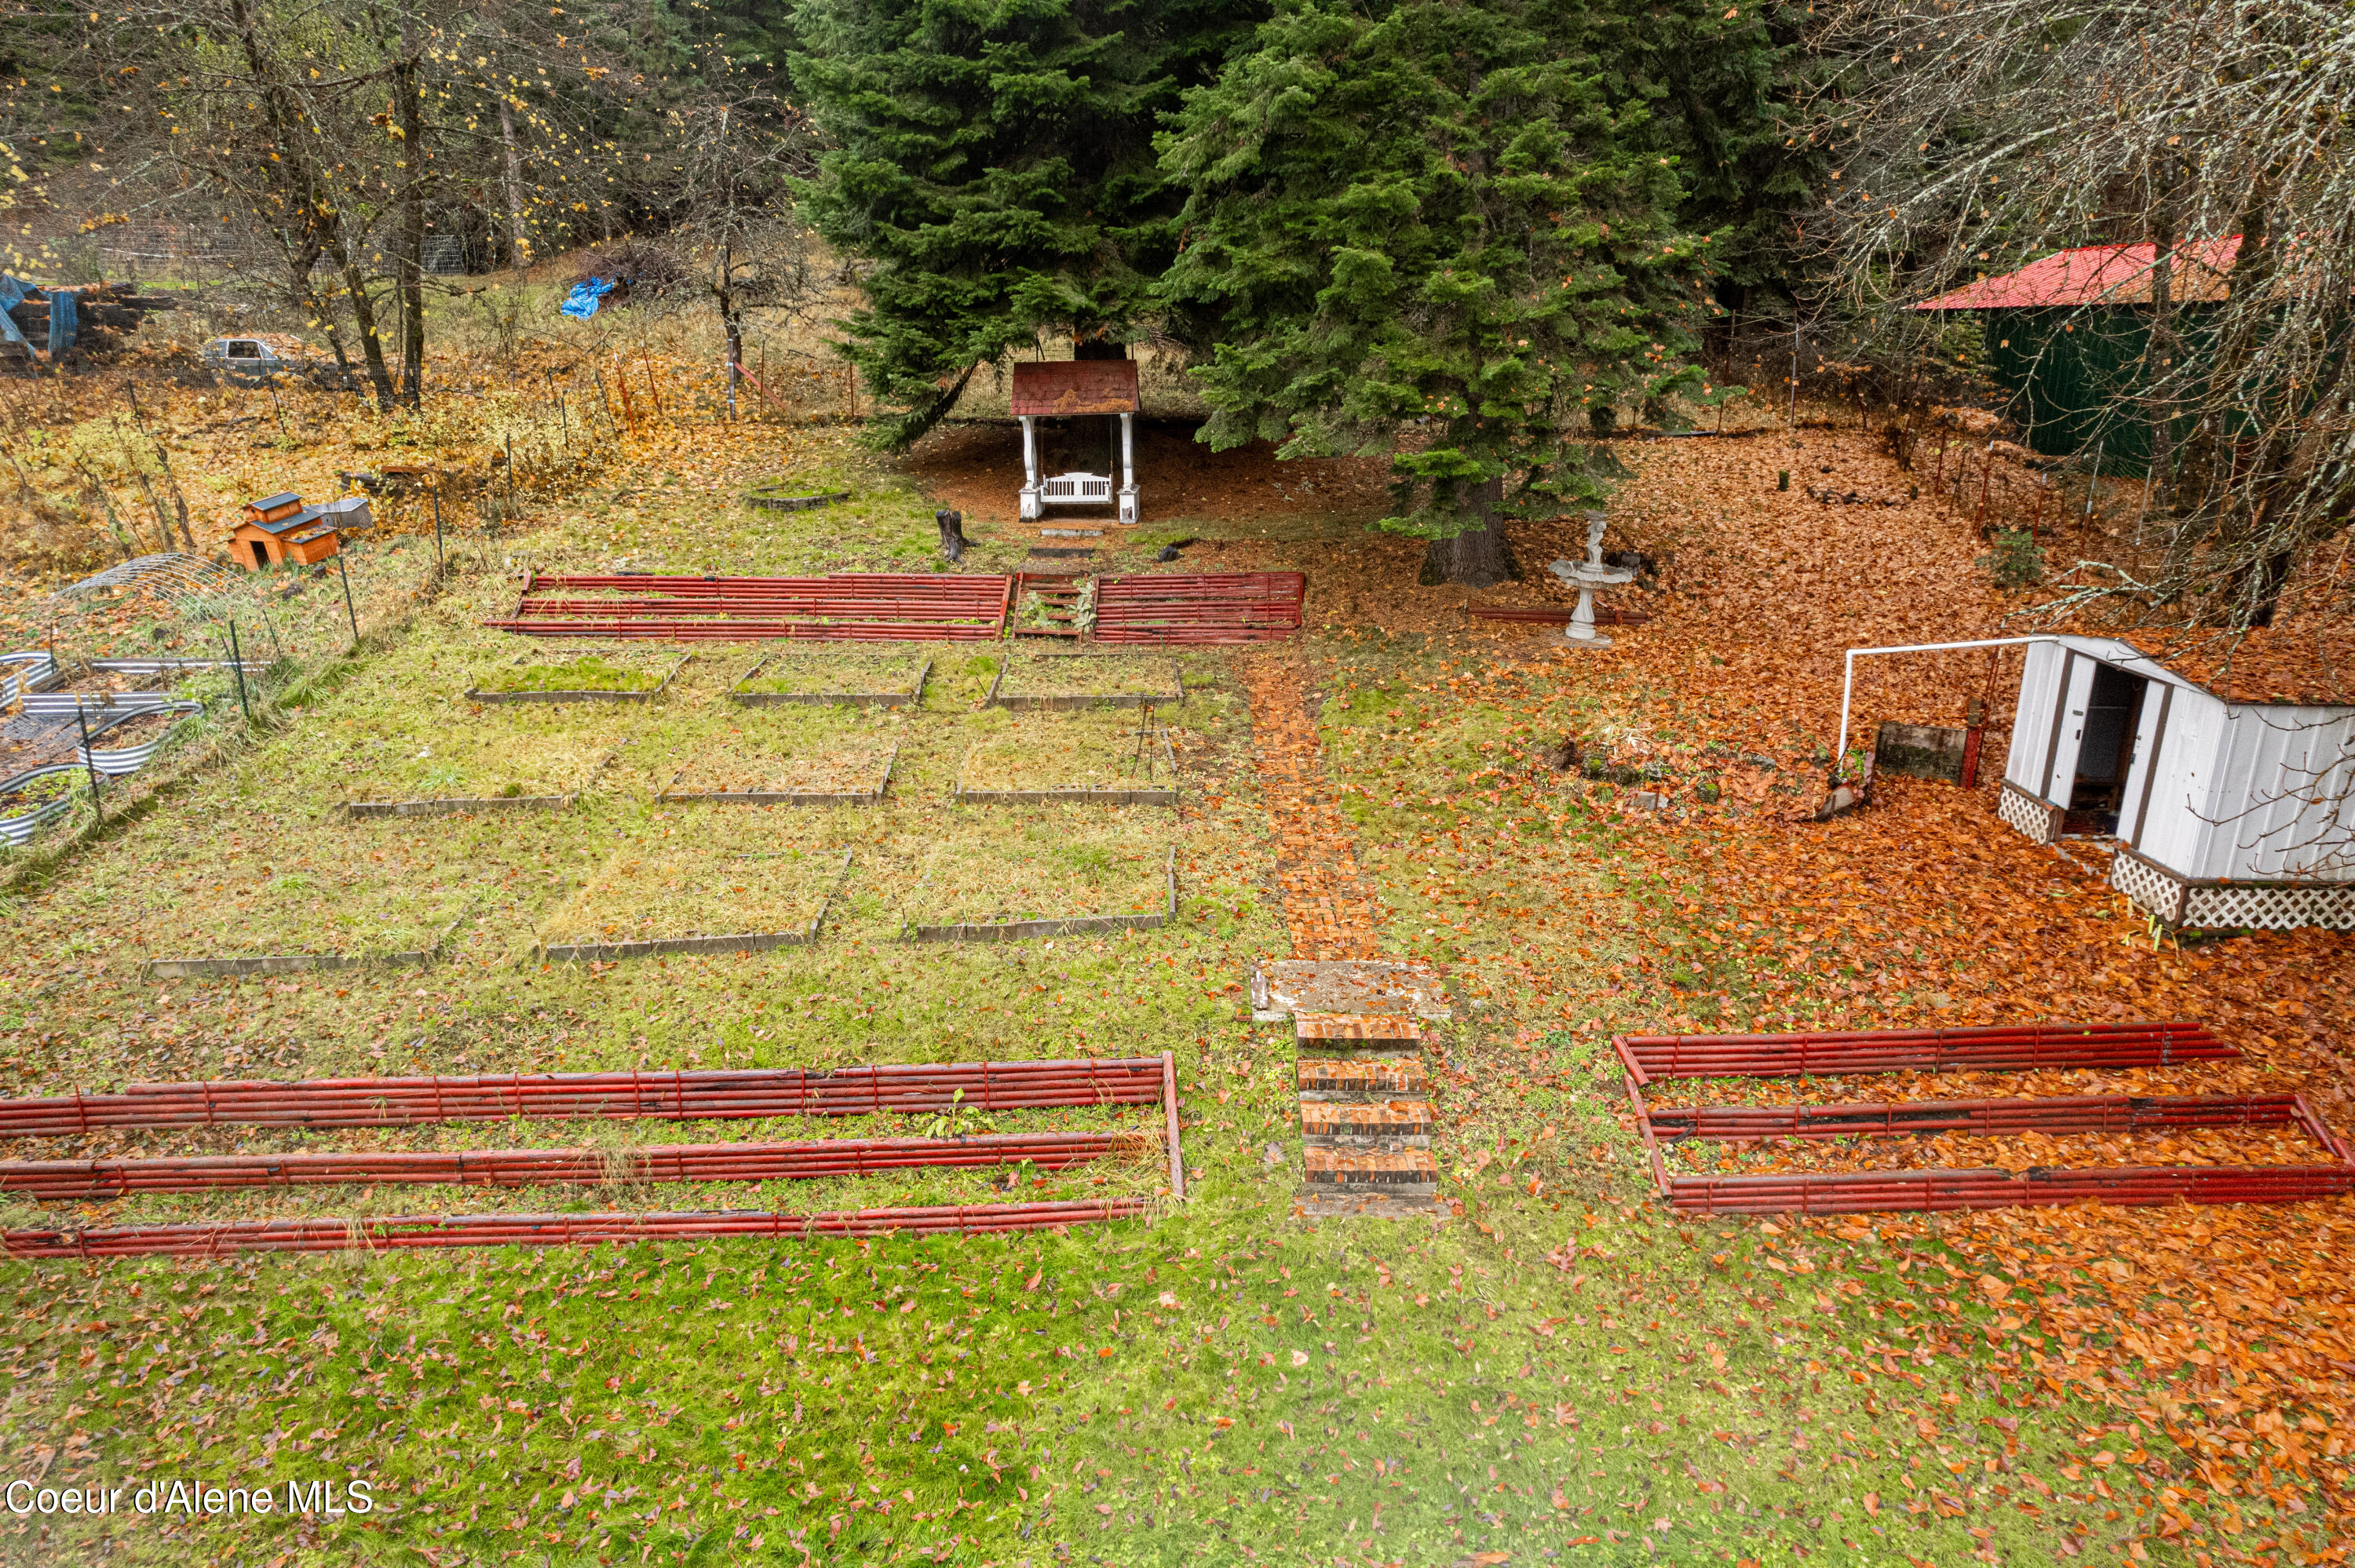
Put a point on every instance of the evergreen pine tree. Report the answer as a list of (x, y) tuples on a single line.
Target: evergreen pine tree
[(1441, 231), (993, 168), (1726, 91)]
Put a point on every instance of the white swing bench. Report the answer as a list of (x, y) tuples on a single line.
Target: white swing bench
[(1075, 490)]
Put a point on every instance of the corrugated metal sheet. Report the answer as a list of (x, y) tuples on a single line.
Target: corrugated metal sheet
[(2174, 823), (2066, 734), (2032, 717), (2278, 805)]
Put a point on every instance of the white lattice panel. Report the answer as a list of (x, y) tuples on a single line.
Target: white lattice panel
[(2027, 813), (2152, 890), (2273, 908)]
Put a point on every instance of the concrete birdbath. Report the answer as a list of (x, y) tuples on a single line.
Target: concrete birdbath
[(1589, 575)]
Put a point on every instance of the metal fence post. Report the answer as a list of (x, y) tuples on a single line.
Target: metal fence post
[(353, 614), (236, 667), (90, 762)]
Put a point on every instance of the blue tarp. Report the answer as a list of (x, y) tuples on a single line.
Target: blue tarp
[(65, 321), (586, 297), (13, 292), (64, 313)]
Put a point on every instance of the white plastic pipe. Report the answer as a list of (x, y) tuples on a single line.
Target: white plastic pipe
[(1848, 684)]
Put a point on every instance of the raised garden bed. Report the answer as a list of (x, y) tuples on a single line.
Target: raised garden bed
[(36, 797), (534, 765), (649, 900), (1043, 761), (836, 680), (1073, 680), (740, 774), (593, 675), (132, 740), (264, 896), (295, 963), (1060, 877)]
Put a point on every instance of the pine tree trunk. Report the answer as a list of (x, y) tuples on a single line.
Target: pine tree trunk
[(1476, 557)]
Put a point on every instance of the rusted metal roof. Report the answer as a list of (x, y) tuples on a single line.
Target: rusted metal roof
[(1066, 386), (2100, 275)]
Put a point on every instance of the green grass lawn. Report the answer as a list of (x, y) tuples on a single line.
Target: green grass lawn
[(1560, 1374)]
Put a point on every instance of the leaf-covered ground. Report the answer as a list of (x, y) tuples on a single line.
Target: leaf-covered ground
[(1560, 1372)]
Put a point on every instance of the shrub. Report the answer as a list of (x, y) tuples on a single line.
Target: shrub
[(2015, 561), (640, 270)]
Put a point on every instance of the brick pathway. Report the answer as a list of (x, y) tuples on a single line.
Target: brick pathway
[(1365, 1121), (1328, 910)]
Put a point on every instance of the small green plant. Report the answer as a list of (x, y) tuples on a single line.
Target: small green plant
[(2015, 561), (38, 792), (1096, 857), (958, 1121)]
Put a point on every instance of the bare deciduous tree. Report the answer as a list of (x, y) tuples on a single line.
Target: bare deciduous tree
[(1973, 136)]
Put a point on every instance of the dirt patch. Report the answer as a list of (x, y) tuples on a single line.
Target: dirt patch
[(977, 469)]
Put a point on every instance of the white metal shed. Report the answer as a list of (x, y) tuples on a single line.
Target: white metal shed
[(2225, 812)]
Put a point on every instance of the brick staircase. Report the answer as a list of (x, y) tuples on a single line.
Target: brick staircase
[(1366, 1118)]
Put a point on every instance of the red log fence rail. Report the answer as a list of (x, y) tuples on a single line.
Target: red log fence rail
[(711, 1094), (2001, 1048), (680, 1096), (431, 1231), (1649, 1057), (93, 1181), (2079, 1113)]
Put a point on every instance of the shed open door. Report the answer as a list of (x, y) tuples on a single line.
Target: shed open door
[(2068, 730), (2142, 779), (2097, 747)]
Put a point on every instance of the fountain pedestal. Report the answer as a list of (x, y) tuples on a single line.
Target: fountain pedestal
[(1587, 576)]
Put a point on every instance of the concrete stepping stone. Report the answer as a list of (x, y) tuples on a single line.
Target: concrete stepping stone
[(1364, 987)]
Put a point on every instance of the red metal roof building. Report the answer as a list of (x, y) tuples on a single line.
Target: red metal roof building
[(2100, 275)]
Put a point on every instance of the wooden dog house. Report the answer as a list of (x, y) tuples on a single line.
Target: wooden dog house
[(1069, 389)]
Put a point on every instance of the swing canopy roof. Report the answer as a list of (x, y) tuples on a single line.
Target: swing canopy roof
[(1061, 387)]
